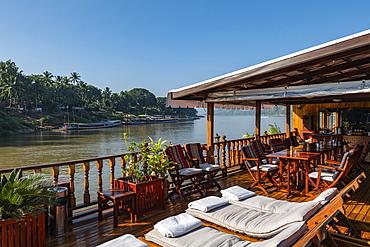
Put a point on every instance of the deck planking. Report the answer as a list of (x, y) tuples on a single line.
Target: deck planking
[(88, 231)]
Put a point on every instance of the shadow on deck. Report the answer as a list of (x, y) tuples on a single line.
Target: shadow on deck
[(88, 231)]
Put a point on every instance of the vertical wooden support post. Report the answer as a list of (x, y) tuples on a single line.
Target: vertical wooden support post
[(99, 165), (86, 168), (287, 124), (257, 126), (338, 122), (55, 174), (72, 197), (112, 164), (325, 120), (223, 156), (210, 131)]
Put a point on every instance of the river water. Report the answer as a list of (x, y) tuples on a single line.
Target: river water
[(56, 146)]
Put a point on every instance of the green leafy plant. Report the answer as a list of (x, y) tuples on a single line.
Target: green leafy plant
[(273, 129), (247, 135), (150, 160), (21, 196)]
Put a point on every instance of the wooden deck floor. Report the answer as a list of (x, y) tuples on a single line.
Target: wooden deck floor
[(88, 231)]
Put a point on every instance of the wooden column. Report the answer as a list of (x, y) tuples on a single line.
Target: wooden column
[(287, 125), (338, 121), (210, 130), (257, 126)]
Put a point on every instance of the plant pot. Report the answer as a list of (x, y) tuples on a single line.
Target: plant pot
[(150, 195), (25, 231)]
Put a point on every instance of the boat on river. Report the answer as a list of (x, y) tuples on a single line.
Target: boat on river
[(105, 123)]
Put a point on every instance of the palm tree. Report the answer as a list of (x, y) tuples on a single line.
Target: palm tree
[(75, 78)]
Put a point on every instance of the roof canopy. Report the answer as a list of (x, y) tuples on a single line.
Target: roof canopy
[(296, 78)]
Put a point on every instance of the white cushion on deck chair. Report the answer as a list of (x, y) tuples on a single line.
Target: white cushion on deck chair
[(256, 223), (209, 167), (327, 176), (190, 171), (266, 167), (326, 195), (125, 240), (208, 237)]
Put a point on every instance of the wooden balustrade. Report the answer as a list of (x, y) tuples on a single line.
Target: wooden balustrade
[(82, 191), (83, 188)]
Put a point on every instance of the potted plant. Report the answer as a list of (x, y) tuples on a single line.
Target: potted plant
[(22, 217), (146, 174)]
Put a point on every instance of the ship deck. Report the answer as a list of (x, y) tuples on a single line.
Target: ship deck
[(88, 231)]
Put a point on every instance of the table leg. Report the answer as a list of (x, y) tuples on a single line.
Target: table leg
[(288, 175), (115, 213), (307, 168), (100, 208)]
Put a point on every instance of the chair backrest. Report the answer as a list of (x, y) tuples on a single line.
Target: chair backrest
[(195, 151), (287, 142), (277, 144), (250, 152), (347, 157), (259, 147), (293, 141), (365, 151), (176, 155)]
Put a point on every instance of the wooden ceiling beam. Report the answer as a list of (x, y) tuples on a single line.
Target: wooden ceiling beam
[(245, 79), (326, 70)]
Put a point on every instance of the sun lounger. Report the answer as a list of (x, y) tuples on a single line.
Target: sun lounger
[(208, 237), (125, 240), (248, 199), (254, 223)]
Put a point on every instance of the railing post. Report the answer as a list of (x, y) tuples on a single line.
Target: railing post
[(71, 172), (232, 155), (55, 174), (86, 168), (223, 156), (99, 165), (112, 164)]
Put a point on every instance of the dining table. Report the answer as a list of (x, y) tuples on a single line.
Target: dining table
[(297, 165)]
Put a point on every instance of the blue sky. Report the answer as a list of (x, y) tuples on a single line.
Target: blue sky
[(163, 45)]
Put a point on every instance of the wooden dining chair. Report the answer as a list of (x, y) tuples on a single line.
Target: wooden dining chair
[(194, 152), (182, 170), (259, 171), (277, 144), (329, 175)]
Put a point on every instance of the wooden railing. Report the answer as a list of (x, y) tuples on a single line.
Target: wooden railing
[(78, 176), (84, 180)]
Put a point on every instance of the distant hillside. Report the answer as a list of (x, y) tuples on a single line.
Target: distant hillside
[(274, 111)]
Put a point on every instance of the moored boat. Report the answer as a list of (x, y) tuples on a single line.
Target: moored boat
[(82, 126)]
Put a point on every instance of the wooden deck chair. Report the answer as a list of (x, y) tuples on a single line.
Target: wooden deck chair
[(330, 215), (259, 171), (277, 144), (260, 147), (365, 151), (328, 175), (183, 171), (194, 152)]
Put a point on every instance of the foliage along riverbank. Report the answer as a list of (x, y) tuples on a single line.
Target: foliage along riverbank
[(54, 99)]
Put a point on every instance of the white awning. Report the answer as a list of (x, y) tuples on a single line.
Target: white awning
[(303, 91)]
